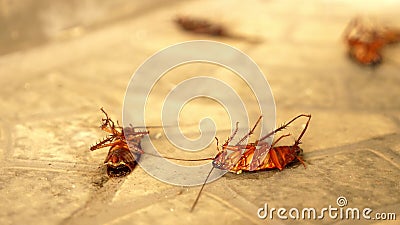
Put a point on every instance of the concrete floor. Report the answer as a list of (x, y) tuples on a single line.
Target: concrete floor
[(61, 61)]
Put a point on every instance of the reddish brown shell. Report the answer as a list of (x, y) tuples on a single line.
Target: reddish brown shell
[(365, 39), (120, 160)]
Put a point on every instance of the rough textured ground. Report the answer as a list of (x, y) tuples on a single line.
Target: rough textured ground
[(62, 61)]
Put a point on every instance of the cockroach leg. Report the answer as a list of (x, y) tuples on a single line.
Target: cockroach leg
[(250, 132), (277, 140)]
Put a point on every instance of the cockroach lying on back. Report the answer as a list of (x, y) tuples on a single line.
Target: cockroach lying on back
[(120, 160), (258, 155)]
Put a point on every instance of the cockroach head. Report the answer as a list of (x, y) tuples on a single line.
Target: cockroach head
[(296, 149)]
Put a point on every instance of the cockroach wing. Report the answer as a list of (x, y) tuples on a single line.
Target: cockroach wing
[(259, 157)]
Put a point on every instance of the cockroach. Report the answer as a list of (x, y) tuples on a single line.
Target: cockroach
[(200, 26), (203, 26), (258, 155), (365, 40), (120, 160)]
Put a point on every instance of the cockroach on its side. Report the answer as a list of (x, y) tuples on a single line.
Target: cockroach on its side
[(258, 155), (120, 160)]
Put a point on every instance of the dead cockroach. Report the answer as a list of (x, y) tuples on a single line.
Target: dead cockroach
[(200, 26), (258, 155), (203, 26), (365, 40), (120, 160)]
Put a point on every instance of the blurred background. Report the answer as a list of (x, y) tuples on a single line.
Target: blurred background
[(60, 61)]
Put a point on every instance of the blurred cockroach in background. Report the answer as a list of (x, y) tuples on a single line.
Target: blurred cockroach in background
[(365, 40), (200, 26), (206, 27), (257, 155)]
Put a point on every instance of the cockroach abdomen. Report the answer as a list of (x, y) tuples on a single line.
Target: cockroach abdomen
[(120, 162)]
